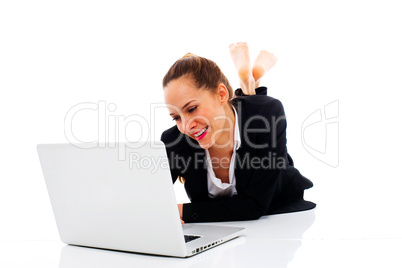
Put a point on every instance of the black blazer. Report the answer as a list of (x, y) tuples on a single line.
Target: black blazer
[(266, 180)]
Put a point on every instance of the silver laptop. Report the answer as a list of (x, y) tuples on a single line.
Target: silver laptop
[(120, 196)]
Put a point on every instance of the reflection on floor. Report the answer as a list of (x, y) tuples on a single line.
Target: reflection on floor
[(287, 240)]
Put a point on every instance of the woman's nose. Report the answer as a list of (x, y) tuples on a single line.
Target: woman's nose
[(188, 125)]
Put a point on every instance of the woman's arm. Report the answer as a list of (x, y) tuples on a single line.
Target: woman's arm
[(258, 91)]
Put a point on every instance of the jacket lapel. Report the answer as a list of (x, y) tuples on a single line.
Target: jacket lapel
[(196, 175), (243, 154)]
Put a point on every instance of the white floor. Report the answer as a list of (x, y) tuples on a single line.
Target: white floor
[(290, 240)]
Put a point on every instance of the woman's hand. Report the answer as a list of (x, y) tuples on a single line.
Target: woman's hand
[(180, 207)]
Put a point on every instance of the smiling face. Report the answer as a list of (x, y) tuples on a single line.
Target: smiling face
[(200, 113)]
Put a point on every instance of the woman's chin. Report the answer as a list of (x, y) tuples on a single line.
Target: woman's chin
[(204, 144)]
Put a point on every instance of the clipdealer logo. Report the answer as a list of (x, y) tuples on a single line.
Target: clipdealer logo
[(112, 128), (320, 134)]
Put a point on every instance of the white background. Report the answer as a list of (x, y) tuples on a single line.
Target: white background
[(57, 54)]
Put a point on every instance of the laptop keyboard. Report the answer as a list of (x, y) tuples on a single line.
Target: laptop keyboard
[(189, 238)]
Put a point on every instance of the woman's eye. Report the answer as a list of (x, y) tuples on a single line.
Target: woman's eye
[(175, 118), (192, 109)]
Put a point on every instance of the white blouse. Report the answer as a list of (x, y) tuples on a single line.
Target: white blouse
[(215, 186)]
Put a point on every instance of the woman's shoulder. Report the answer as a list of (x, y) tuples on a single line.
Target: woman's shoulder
[(260, 98), (258, 105), (170, 134), (177, 141)]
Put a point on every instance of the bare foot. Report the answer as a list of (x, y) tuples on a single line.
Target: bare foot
[(241, 60), (264, 61)]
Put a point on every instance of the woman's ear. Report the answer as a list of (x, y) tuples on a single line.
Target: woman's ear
[(223, 94)]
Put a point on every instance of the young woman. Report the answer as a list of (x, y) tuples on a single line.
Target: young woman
[(230, 152)]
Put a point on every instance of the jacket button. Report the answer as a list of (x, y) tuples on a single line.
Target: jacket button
[(195, 216)]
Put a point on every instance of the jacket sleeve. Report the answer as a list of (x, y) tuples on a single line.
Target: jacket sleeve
[(166, 139), (249, 205), (261, 183)]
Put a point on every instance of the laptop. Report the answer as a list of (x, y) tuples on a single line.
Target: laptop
[(120, 196)]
